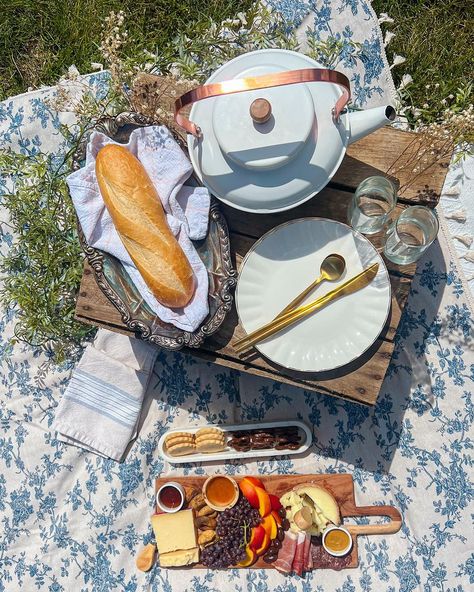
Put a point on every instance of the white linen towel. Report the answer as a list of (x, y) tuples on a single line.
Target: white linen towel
[(100, 408), (187, 213)]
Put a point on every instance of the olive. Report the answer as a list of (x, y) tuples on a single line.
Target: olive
[(282, 513), (276, 543), (269, 557), (281, 533), (285, 524)]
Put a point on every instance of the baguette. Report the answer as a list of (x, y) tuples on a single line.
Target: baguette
[(136, 211)]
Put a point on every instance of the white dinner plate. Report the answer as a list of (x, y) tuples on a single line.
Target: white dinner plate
[(281, 264)]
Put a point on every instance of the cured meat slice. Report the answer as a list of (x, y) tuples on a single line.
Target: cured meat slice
[(322, 559), (308, 558), (298, 561), (286, 553)]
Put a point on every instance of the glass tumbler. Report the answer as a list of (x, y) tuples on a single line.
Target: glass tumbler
[(411, 234), (372, 204)]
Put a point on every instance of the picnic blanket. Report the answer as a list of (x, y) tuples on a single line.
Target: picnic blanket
[(72, 521)]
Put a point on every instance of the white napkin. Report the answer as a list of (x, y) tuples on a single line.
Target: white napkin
[(187, 213), (100, 408)]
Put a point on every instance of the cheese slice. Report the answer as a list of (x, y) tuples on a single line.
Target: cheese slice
[(174, 532), (179, 558)]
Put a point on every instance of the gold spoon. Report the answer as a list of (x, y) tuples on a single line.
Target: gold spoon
[(331, 269)]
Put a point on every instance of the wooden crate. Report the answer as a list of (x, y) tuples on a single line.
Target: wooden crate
[(360, 381)]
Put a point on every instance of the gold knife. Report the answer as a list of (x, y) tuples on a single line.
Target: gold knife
[(356, 283)]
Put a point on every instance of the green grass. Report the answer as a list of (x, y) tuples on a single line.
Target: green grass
[(436, 37), (39, 39)]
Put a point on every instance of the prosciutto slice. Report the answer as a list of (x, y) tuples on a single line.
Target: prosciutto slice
[(308, 558), (298, 561), (286, 553)]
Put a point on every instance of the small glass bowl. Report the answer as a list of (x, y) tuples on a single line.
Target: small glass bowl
[(331, 551), (164, 508), (221, 508)]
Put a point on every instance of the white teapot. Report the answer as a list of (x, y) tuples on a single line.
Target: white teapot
[(263, 143)]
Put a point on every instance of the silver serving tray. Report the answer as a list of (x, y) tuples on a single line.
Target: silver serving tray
[(116, 284), (230, 453)]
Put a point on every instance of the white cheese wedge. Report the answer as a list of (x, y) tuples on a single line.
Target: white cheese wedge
[(324, 502), (174, 532), (179, 558)]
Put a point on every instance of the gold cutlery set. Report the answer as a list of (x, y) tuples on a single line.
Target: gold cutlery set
[(332, 269)]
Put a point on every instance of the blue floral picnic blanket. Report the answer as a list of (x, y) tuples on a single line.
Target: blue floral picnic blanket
[(72, 521)]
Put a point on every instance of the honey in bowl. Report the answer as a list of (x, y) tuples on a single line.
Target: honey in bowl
[(337, 541), (221, 492)]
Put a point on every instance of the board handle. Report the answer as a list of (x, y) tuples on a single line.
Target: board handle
[(386, 528)]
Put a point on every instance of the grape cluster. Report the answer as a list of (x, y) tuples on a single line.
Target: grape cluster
[(233, 530)]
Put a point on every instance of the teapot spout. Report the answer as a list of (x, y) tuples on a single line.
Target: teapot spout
[(365, 122)]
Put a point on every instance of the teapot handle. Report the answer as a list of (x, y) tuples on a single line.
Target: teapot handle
[(229, 87)]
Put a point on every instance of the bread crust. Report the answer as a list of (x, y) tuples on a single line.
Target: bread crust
[(136, 211)]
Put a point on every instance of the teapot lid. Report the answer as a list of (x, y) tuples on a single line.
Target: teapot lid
[(267, 150)]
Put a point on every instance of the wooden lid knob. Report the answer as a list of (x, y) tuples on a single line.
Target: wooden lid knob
[(260, 110)]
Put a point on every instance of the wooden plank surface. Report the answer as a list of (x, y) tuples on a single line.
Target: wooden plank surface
[(377, 154), (360, 381), (341, 486)]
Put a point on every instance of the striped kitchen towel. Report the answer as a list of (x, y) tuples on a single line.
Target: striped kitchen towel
[(100, 408)]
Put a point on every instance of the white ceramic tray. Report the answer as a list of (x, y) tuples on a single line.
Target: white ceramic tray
[(230, 453)]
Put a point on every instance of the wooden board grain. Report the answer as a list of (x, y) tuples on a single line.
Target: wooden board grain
[(361, 380), (341, 486)]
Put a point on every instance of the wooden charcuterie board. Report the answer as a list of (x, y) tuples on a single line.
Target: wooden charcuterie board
[(341, 486)]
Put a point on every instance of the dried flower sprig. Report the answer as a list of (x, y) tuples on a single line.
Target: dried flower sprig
[(435, 142)]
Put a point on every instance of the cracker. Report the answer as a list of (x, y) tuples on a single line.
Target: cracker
[(208, 431), (210, 446), (181, 449), (179, 440), (203, 441), (175, 435)]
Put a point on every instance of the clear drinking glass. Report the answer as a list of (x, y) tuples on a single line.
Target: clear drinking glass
[(411, 234), (372, 204)]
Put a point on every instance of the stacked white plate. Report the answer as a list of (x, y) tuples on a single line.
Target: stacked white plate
[(282, 264)]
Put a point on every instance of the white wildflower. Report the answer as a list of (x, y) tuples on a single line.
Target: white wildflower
[(384, 18), (241, 16), (397, 60), (406, 81), (175, 70), (388, 37), (73, 72)]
